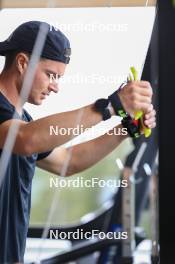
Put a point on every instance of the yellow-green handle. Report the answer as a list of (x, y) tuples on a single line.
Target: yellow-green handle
[(133, 76)]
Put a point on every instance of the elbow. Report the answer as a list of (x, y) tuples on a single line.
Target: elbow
[(72, 169), (76, 164)]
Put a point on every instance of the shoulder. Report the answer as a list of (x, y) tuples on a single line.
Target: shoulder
[(7, 110), (5, 104)]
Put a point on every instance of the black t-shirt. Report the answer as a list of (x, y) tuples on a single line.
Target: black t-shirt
[(15, 194)]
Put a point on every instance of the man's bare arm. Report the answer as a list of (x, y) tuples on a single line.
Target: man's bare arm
[(89, 153), (83, 155), (35, 137)]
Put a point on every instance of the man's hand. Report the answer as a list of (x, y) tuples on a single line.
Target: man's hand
[(136, 95), (150, 117)]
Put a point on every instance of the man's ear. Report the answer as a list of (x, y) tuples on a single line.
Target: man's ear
[(22, 61)]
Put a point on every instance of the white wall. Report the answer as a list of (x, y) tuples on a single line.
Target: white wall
[(105, 43)]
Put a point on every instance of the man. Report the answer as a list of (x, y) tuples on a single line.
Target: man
[(33, 145)]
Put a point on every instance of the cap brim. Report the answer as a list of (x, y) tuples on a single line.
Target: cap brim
[(5, 47)]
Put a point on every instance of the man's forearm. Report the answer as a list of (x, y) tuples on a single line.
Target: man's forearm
[(37, 133), (89, 153)]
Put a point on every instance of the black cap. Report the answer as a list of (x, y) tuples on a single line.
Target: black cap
[(56, 47)]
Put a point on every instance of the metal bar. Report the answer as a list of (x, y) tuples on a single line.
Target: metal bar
[(167, 128), (154, 218), (81, 250), (128, 208), (76, 3)]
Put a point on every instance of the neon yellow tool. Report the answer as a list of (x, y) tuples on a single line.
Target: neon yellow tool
[(133, 76)]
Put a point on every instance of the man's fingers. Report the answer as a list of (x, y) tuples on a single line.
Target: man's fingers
[(135, 97), (139, 102), (152, 125), (142, 107), (142, 99), (145, 92), (150, 114), (150, 121), (141, 87), (150, 109), (144, 84)]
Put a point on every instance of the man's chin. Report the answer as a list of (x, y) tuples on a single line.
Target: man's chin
[(36, 102), (39, 102)]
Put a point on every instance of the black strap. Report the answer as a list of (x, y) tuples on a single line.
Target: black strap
[(101, 106), (133, 126), (117, 105)]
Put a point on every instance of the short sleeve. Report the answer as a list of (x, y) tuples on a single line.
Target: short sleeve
[(7, 110), (5, 114), (43, 155)]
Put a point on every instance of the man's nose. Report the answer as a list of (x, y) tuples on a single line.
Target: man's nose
[(53, 87)]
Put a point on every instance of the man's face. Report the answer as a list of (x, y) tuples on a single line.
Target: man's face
[(44, 81)]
